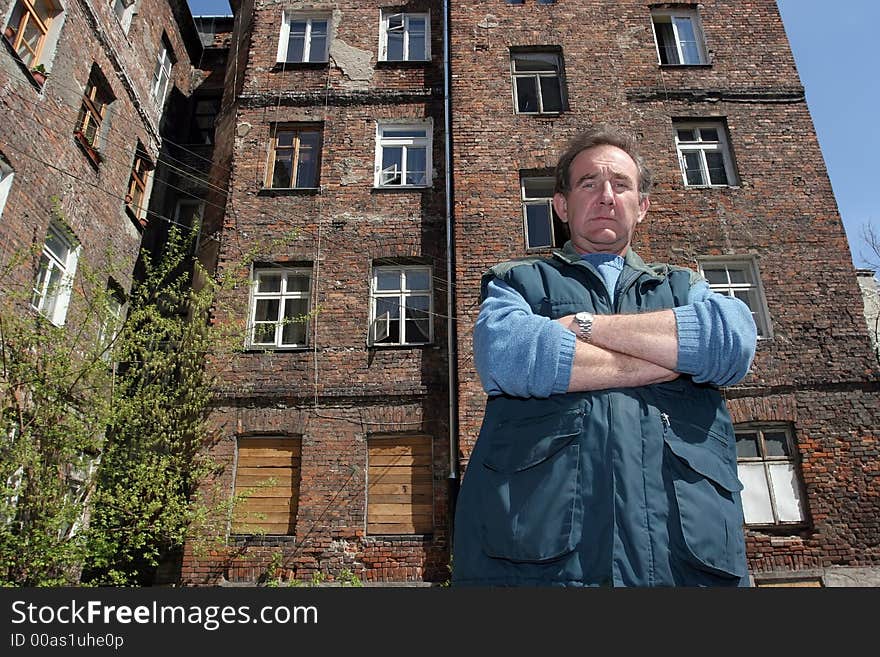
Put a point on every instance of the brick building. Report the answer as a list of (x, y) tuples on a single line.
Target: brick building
[(333, 127), (85, 86)]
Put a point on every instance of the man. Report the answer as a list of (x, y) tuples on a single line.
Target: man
[(607, 456)]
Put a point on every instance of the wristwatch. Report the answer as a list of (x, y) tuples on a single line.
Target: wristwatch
[(585, 325)]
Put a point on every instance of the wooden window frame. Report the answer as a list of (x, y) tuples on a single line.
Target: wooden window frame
[(297, 130), (138, 183), (43, 23), (400, 485)]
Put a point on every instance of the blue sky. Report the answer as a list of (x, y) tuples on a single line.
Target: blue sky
[(838, 57)]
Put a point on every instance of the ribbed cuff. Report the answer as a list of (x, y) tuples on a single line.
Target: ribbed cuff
[(689, 339), (563, 365)]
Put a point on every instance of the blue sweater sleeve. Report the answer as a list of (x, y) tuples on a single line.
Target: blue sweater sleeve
[(517, 352), (716, 337)]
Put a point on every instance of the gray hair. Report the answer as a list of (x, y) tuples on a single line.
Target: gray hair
[(600, 135)]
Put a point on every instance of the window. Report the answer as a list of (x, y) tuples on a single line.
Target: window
[(136, 197), (542, 227), (740, 279), (400, 494), (6, 175), (189, 212), (51, 294), (267, 480), (679, 38), (704, 155), (29, 27), (404, 37), (304, 39), (113, 319), (162, 72), (403, 155), (204, 115), (279, 313), (124, 11), (96, 98), (401, 306), (537, 82), (767, 467), (294, 157)]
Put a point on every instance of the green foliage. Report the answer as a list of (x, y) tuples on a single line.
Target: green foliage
[(100, 439)]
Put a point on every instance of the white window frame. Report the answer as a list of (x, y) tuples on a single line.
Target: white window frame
[(113, 320), (124, 10), (283, 296), (537, 76), (284, 38), (752, 288), (787, 474), (7, 173), (701, 147), (384, 177), (529, 201), (162, 73), (381, 325), (385, 19), (52, 299), (676, 19)]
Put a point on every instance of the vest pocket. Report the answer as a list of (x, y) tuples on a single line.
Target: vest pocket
[(531, 508), (708, 533)]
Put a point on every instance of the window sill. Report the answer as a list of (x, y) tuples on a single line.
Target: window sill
[(29, 73), (139, 222), (261, 349), (543, 115), (298, 66), (288, 191), (90, 151), (402, 188), (713, 186), (403, 63), (389, 346), (669, 67)]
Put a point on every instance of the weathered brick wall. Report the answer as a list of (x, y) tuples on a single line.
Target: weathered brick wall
[(36, 135), (339, 391), (782, 212)]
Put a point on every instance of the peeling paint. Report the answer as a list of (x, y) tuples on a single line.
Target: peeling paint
[(356, 64)]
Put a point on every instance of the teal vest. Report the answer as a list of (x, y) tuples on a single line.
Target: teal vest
[(622, 487)]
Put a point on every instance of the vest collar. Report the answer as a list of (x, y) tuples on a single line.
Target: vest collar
[(631, 260)]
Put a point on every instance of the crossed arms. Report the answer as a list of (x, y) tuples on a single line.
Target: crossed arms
[(519, 353)]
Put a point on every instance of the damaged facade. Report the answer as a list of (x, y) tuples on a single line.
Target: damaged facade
[(353, 404)]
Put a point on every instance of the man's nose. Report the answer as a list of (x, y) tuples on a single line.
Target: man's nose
[(607, 193)]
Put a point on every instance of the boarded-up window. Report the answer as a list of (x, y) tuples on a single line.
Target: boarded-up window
[(268, 476), (400, 497)]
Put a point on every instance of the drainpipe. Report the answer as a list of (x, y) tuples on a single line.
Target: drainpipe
[(451, 335)]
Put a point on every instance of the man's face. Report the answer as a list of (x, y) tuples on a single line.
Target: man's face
[(603, 205)]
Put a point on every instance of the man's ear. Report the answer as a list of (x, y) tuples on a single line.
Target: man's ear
[(561, 206), (644, 204)]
